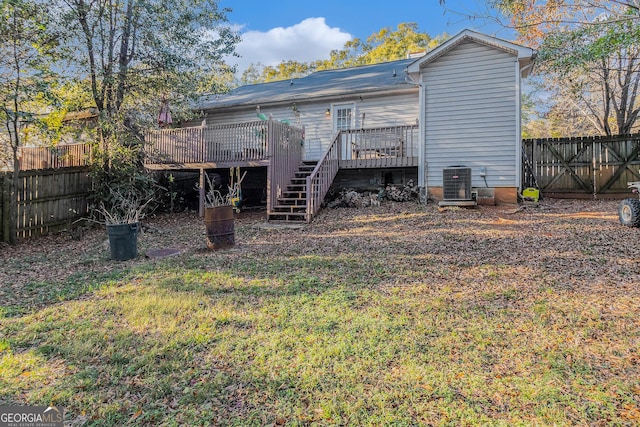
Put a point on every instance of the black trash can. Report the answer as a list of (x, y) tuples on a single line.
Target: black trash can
[(123, 241)]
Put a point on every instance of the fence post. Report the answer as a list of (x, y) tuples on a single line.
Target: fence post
[(201, 193), (594, 171), (5, 218)]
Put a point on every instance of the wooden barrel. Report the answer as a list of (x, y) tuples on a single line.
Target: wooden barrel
[(220, 227)]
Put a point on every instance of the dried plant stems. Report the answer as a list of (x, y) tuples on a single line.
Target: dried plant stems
[(214, 198), (127, 207)]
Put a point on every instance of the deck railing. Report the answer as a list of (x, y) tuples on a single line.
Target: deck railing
[(242, 142), (183, 145), (320, 180), (363, 148), (286, 146), (393, 146)]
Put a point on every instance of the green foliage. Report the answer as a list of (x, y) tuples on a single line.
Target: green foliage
[(389, 45), (565, 51), (589, 53), (131, 56), (73, 95), (123, 191), (597, 67), (385, 45), (25, 44), (154, 50), (53, 125), (258, 73)]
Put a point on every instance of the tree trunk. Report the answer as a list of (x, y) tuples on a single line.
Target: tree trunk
[(124, 56), (13, 198), (14, 137)]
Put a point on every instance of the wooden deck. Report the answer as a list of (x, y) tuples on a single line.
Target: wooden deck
[(261, 143), (384, 147), (255, 144), (279, 147), (209, 147)]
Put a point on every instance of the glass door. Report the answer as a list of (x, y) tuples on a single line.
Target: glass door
[(344, 119)]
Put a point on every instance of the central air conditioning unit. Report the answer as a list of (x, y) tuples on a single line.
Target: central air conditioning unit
[(456, 183)]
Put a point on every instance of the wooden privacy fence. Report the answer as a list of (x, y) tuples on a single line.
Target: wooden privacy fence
[(578, 166), (47, 200), (61, 156)]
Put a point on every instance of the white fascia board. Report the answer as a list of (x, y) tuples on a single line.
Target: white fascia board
[(524, 54)]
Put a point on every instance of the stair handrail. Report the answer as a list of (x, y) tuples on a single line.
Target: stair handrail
[(320, 180)]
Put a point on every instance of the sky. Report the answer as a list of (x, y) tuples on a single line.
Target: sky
[(303, 30)]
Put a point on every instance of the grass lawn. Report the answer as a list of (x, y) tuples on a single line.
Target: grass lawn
[(393, 315)]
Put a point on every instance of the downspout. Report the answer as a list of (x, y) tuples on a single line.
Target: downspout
[(519, 73), (422, 164), (518, 183)]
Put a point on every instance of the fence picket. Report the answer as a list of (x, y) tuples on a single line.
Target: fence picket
[(587, 165), (47, 200)]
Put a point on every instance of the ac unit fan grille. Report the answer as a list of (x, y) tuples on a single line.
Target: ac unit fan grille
[(456, 183)]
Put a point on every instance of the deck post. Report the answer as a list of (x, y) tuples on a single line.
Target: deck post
[(201, 192)]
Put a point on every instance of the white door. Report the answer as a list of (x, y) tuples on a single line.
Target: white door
[(344, 119)]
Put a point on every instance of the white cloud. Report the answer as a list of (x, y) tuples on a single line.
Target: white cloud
[(307, 41)]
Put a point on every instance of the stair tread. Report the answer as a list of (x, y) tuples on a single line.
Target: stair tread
[(287, 218), (289, 211), (292, 204), (296, 208)]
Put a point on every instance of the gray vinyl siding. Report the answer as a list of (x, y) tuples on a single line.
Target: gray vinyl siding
[(380, 111), (471, 114)]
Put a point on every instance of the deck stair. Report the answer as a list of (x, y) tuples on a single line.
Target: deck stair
[(292, 202)]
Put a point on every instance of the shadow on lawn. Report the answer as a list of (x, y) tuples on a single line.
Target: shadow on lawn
[(272, 332), (161, 341)]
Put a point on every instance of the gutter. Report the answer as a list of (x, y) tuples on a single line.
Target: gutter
[(301, 100), (528, 69)]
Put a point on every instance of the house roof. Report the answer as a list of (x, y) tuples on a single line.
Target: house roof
[(524, 54), (321, 84), (376, 78)]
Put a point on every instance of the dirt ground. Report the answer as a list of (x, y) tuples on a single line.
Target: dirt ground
[(579, 232)]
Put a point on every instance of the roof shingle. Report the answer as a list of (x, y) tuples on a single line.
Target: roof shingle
[(327, 83)]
